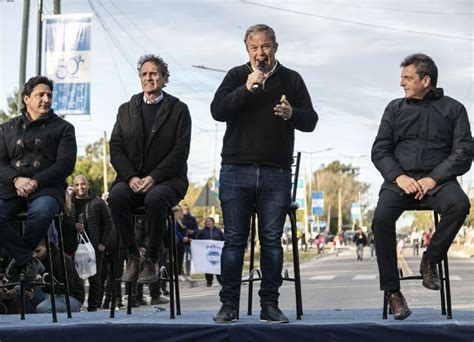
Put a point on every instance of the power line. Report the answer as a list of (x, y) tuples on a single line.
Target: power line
[(393, 9), (110, 34), (359, 23)]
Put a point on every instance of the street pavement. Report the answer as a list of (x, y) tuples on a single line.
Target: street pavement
[(341, 282)]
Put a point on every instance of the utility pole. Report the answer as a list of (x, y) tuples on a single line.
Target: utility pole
[(339, 210), (39, 37), (57, 6), (24, 47), (104, 162)]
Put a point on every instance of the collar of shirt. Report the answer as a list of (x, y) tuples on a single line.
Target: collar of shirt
[(157, 100), (271, 71)]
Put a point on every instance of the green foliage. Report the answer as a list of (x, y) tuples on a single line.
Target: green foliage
[(422, 220), (338, 175), (91, 166), (13, 109)]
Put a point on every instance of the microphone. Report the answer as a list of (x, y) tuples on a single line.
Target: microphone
[(257, 87)]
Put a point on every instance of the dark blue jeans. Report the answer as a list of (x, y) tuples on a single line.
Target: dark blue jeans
[(41, 212), (243, 190)]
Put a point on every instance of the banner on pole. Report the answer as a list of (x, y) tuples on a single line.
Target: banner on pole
[(68, 62), (317, 202), (355, 211), (206, 256), (301, 194)]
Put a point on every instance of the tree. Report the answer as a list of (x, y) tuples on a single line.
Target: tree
[(337, 176), (423, 220), (91, 166), (13, 109)]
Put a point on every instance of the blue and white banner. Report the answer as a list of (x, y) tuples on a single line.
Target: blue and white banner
[(317, 202), (206, 256), (301, 194), (68, 61), (355, 211)]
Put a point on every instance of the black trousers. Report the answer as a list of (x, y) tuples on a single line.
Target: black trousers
[(157, 201), (95, 284), (450, 202), (108, 271)]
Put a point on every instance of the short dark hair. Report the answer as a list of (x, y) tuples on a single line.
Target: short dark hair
[(261, 28), (424, 65), (32, 83), (158, 61)]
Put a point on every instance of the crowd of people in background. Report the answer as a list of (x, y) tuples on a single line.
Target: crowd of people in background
[(88, 214)]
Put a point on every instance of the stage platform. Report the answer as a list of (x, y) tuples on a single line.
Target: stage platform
[(317, 325)]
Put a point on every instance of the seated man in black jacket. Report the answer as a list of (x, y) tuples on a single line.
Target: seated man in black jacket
[(37, 153), (39, 297), (149, 148), (423, 144)]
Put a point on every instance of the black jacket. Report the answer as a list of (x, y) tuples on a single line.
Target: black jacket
[(44, 150), (167, 147), (423, 138), (254, 135), (97, 219)]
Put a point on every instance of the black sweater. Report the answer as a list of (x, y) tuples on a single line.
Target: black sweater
[(254, 135)]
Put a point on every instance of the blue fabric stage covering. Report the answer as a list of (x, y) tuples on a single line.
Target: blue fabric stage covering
[(316, 325)]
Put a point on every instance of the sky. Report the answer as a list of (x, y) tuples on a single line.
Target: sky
[(347, 51)]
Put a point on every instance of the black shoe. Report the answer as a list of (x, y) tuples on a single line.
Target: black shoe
[(398, 305), (226, 314), (32, 269), (13, 270), (132, 268), (106, 304), (430, 274), (149, 273), (209, 284), (91, 309), (271, 313)]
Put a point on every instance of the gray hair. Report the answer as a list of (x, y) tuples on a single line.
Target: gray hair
[(261, 28), (424, 65), (159, 62)]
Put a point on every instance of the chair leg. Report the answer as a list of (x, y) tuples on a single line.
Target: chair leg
[(63, 265), (442, 289), (385, 305), (171, 272), (448, 288), (114, 275), (129, 285), (174, 264), (22, 302), (52, 285), (252, 263), (296, 266)]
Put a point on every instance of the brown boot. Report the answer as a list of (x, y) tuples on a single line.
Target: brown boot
[(132, 268), (398, 305), (429, 271), (149, 273)]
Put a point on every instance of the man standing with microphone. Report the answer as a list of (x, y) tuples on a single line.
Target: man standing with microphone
[(262, 103)]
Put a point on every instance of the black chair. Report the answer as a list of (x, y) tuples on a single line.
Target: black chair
[(255, 274), (445, 290), (22, 217), (170, 276)]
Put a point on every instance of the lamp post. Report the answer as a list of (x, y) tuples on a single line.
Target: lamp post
[(311, 183)]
